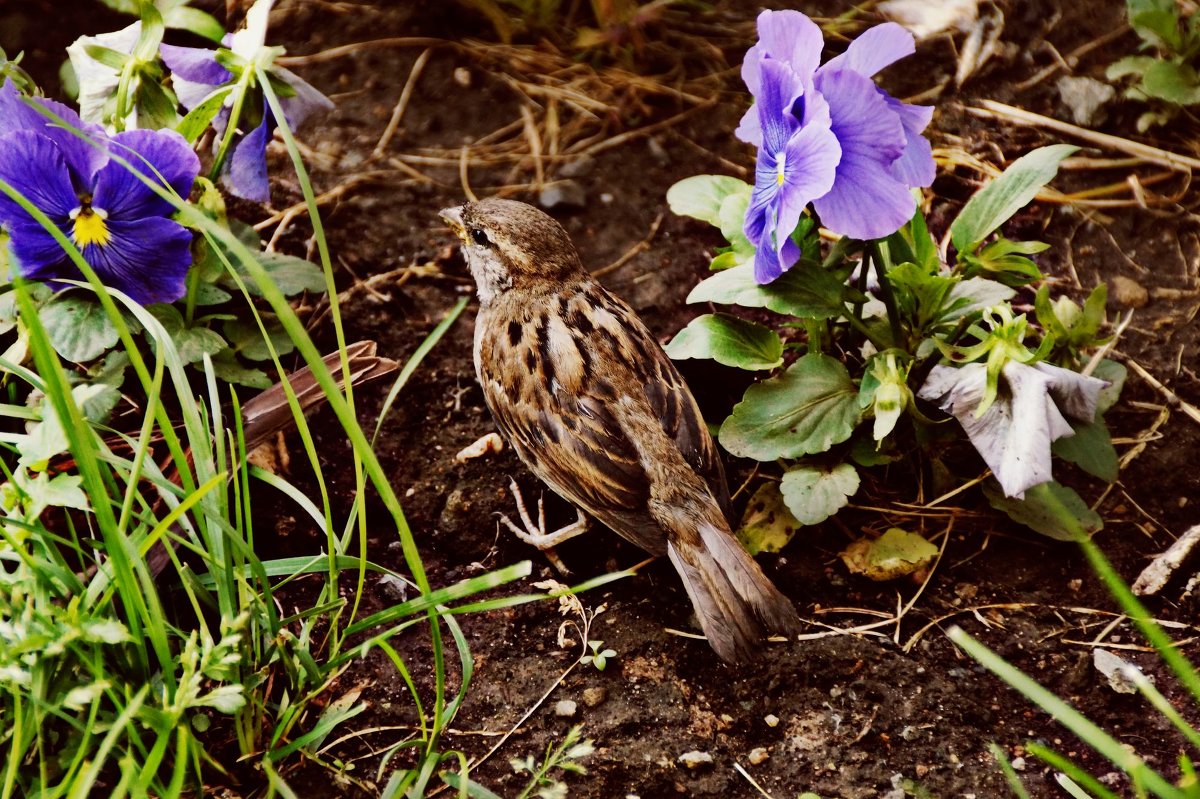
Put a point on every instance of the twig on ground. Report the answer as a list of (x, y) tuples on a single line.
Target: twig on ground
[(402, 104), (994, 110), (641, 246)]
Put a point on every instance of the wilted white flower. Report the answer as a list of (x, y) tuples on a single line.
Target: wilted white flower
[(1015, 432)]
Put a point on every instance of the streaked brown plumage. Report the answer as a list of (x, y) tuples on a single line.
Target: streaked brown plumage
[(595, 408)]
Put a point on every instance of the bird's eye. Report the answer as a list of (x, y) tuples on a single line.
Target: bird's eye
[(479, 237)]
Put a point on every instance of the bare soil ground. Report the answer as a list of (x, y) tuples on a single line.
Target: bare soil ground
[(867, 698)]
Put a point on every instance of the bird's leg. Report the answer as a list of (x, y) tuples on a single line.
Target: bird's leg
[(536, 535)]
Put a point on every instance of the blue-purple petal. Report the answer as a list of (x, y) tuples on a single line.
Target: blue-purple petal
[(39, 255), (82, 157), (148, 259), (307, 101), (152, 153), (195, 65), (34, 165), (874, 49), (246, 166), (793, 38), (915, 165), (779, 89), (866, 201)]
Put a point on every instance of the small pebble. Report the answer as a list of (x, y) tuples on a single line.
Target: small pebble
[(562, 193), (594, 696), (462, 76), (758, 755), (696, 759), (771, 719), (1128, 292), (1018, 763), (394, 588), (566, 708)]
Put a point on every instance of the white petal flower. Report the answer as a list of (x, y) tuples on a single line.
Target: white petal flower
[(97, 81), (1015, 433)]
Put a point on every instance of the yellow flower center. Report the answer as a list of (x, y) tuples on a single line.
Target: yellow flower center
[(89, 226)]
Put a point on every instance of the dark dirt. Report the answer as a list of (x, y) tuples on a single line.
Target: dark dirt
[(856, 711)]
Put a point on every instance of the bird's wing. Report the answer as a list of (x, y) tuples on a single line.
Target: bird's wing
[(554, 392)]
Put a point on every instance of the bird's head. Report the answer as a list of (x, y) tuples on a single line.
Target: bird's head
[(509, 244)]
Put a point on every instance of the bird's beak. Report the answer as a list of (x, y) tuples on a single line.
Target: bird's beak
[(453, 218)]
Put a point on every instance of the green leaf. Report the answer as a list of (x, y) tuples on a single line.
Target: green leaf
[(701, 196), (78, 327), (813, 495), (767, 525), (60, 491), (806, 291), (181, 17), (198, 119), (474, 789), (155, 109), (971, 296), (1172, 83), (1091, 449), (106, 56), (807, 409), (248, 341), (1051, 509), (728, 340), (227, 367), (1115, 373), (896, 553), (1130, 65), (291, 274), (995, 203), (1157, 23)]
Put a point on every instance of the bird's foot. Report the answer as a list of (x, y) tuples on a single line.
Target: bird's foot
[(536, 535)]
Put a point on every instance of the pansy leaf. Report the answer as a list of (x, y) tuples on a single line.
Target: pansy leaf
[(193, 342), (290, 274), (701, 196), (199, 118), (227, 367), (896, 553), (78, 327), (1050, 508), (767, 525), (813, 494), (201, 23), (729, 340), (208, 294), (806, 291), (1172, 83), (970, 296), (1115, 373), (1091, 449), (807, 409), (248, 341), (996, 202)]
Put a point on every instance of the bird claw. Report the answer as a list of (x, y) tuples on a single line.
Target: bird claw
[(536, 535)]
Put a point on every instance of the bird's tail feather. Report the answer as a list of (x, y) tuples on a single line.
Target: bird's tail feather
[(734, 601)]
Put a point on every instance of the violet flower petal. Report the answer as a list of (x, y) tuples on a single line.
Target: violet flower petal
[(866, 201), (246, 166), (915, 165), (148, 259), (195, 72), (122, 194), (35, 166), (82, 157), (874, 49)]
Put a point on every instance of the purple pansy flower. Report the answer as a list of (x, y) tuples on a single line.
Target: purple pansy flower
[(119, 224), (196, 73), (883, 153), (796, 164)]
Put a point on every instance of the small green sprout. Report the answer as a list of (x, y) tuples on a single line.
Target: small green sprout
[(598, 658)]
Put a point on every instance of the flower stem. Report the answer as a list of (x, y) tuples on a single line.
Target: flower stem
[(885, 294), (235, 115)]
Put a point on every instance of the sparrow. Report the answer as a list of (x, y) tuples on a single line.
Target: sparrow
[(589, 401)]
